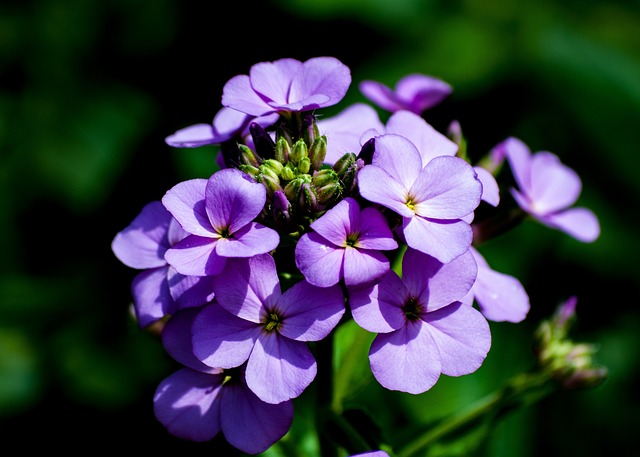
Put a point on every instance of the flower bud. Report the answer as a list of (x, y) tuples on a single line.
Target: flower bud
[(264, 144), (348, 178), (271, 183), (308, 198), (309, 129), (287, 173), (247, 156), (281, 205), (328, 192), (344, 162), (273, 165), (282, 150), (292, 189), (324, 177), (367, 150), (304, 165), (318, 152), (298, 151), (250, 170)]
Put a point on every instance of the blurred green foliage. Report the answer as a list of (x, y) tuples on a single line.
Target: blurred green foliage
[(89, 90)]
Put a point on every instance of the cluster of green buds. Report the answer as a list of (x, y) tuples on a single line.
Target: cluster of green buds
[(571, 363), (300, 186)]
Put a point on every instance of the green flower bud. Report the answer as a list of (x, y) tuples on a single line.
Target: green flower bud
[(299, 151), (348, 177), (324, 177), (250, 170), (328, 192), (308, 198), (283, 150), (288, 173), (344, 162), (304, 165), (247, 156), (270, 183), (273, 165), (318, 152)]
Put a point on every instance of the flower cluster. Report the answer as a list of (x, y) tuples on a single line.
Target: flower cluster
[(308, 222)]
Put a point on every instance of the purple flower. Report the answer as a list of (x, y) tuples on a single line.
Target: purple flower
[(423, 331), (197, 402), (500, 297), (431, 200), (288, 85), (227, 124), (218, 214), (345, 243), (159, 290), (253, 321), (415, 93), (548, 189)]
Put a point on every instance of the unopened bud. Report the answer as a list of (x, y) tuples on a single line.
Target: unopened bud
[(367, 150), (299, 151), (271, 183), (348, 178), (287, 173), (328, 192), (324, 177), (273, 165), (281, 205), (250, 170), (308, 198), (318, 152), (304, 165), (262, 141), (344, 162), (309, 129), (247, 156), (282, 150)]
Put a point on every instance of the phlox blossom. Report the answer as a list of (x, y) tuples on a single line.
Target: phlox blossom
[(197, 402), (423, 330), (218, 214), (288, 85), (252, 321), (414, 92), (345, 244), (547, 189), (431, 201), (159, 290)]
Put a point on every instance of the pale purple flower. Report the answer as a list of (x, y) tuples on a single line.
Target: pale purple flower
[(253, 321), (501, 297), (197, 402), (414, 92), (345, 244), (218, 214), (288, 85), (490, 188), (159, 290), (227, 124), (547, 189), (431, 201), (423, 330)]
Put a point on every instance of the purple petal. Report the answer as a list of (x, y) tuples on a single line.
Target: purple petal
[(187, 403), (189, 291), (325, 76), (221, 339), (247, 285), (444, 240), (554, 186), (288, 366), (343, 131), (142, 243), (407, 360), (374, 231), (228, 123), (245, 415), (462, 336), (319, 261), (399, 157), (192, 136), (233, 199), (490, 188), (519, 156), (248, 241), (381, 95), (580, 223), (429, 142), (378, 309), (151, 297), (363, 266), (339, 222), (195, 256), (186, 201), (238, 94), (500, 297), (305, 317), (378, 186), (447, 188), (438, 284), (421, 92), (272, 80), (176, 339)]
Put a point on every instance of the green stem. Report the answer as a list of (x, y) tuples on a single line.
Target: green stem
[(521, 390)]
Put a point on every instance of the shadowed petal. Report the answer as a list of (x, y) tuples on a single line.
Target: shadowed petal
[(406, 360), (378, 309), (189, 291), (374, 231), (187, 403), (288, 366), (151, 297), (462, 335), (221, 339), (192, 136), (195, 256), (519, 156), (362, 266), (444, 240), (490, 188)]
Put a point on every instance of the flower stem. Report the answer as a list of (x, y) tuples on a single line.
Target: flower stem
[(522, 390)]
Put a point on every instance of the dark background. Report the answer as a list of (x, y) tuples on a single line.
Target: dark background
[(89, 91)]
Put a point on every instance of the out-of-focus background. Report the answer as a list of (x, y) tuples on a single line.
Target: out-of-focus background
[(90, 89)]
